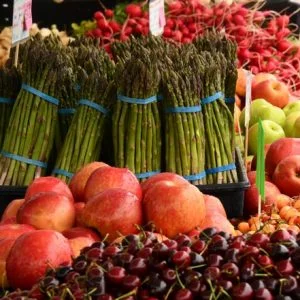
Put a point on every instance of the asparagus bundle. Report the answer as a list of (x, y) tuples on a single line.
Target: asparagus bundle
[(184, 128), (30, 134), (10, 83), (136, 120), (84, 138)]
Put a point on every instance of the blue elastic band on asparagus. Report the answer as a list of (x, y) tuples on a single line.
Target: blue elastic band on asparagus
[(137, 100), (183, 109), (77, 87), (26, 160), (7, 100), (66, 111), (160, 97), (63, 173), (146, 174), (221, 169), (212, 98), (94, 105), (229, 100), (40, 94), (195, 177)]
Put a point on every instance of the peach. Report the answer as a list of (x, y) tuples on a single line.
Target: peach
[(12, 209), (260, 77), (78, 243), (75, 232), (241, 83), (5, 246), (13, 231)]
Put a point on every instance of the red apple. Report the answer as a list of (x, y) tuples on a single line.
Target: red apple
[(279, 150), (252, 177), (48, 210), (251, 198), (114, 212), (217, 221), (287, 175), (81, 232), (78, 243), (79, 206), (260, 77), (5, 246), (12, 209), (275, 92), (108, 178), (174, 208), (33, 253), (48, 184), (79, 180), (165, 176), (12, 220), (13, 231), (213, 204)]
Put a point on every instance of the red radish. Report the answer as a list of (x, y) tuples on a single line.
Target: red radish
[(143, 22), (177, 36), (192, 27), (175, 6), (170, 23), (98, 15), (167, 32), (284, 45), (97, 32), (138, 29), (283, 21), (128, 30), (102, 24), (132, 22), (109, 13), (115, 26), (133, 10)]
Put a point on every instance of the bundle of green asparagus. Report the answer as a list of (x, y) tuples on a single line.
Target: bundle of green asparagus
[(30, 134), (10, 84), (184, 129), (136, 120), (84, 138)]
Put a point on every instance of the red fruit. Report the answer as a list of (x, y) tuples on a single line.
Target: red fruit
[(33, 253), (48, 184), (98, 15), (109, 13), (167, 32), (115, 26), (13, 231), (133, 10), (107, 178)]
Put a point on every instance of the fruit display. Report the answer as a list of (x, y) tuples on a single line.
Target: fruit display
[(267, 42)]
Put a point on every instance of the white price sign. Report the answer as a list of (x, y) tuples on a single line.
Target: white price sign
[(157, 18), (22, 20)]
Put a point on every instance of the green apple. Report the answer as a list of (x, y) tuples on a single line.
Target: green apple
[(261, 109), (272, 130), (290, 123), (291, 107), (296, 129)]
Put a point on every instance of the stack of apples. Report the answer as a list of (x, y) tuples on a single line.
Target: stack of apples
[(54, 221), (282, 164)]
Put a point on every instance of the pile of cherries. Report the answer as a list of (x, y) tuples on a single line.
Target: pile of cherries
[(215, 265)]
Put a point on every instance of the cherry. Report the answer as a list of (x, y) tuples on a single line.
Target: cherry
[(160, 266), (247, 273), (157, 286), (279, 236), (196, 286), (259, 239), (250, 250), (264, 261), (123, 259), (171, 244), (160, 250), (183, 294), (212, 273), (181, 259), (232, 255), (242, 291), (225, 235), (80, 265), (99, 245), (94, 271), (105, 297), (145, 252), (207, 233), (191, 275), (289, 285), (169, 275), (230, 271), (185, 248), (183, 240), (131, 238), (279, 252), (225, 284), (131, 281), (263, 294), (296, 257), (283, 297), (138, 266), (218, 244), (285, 267), (94, 253), (257, 284), (61, 272), (133, 247), (107, 265), (111, 251), (198, 246), (196, 259), (214, 260), (271, 284), (71, 276)]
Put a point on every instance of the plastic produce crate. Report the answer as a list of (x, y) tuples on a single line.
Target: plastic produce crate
[(231, 194), (8, 193)]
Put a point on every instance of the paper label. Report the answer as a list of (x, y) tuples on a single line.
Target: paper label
[(22, 20), (248, 97), (157, 18)]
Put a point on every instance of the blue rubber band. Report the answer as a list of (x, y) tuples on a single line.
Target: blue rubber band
[(229, 100), (66, 111), (94, 105), (24, 159), (212, 98), (183, 109), (147, 174), (63, 173), (160, 97), (40, 94), (7, 100), (77, 87), (137, 100), (195, 177), (221, 169)]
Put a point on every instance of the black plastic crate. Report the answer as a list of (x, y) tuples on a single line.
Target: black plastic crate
[(8, 193), (231, 194)]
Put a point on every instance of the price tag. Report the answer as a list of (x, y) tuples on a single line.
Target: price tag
[(157, 18), (22, 20), (248, 97)]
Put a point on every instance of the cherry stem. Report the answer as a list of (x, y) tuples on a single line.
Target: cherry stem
[(170, 291), (196, 267), (70, 293), (179, 280), (131, 293)]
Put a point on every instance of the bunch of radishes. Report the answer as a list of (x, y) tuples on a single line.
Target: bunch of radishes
[(263, 37)]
